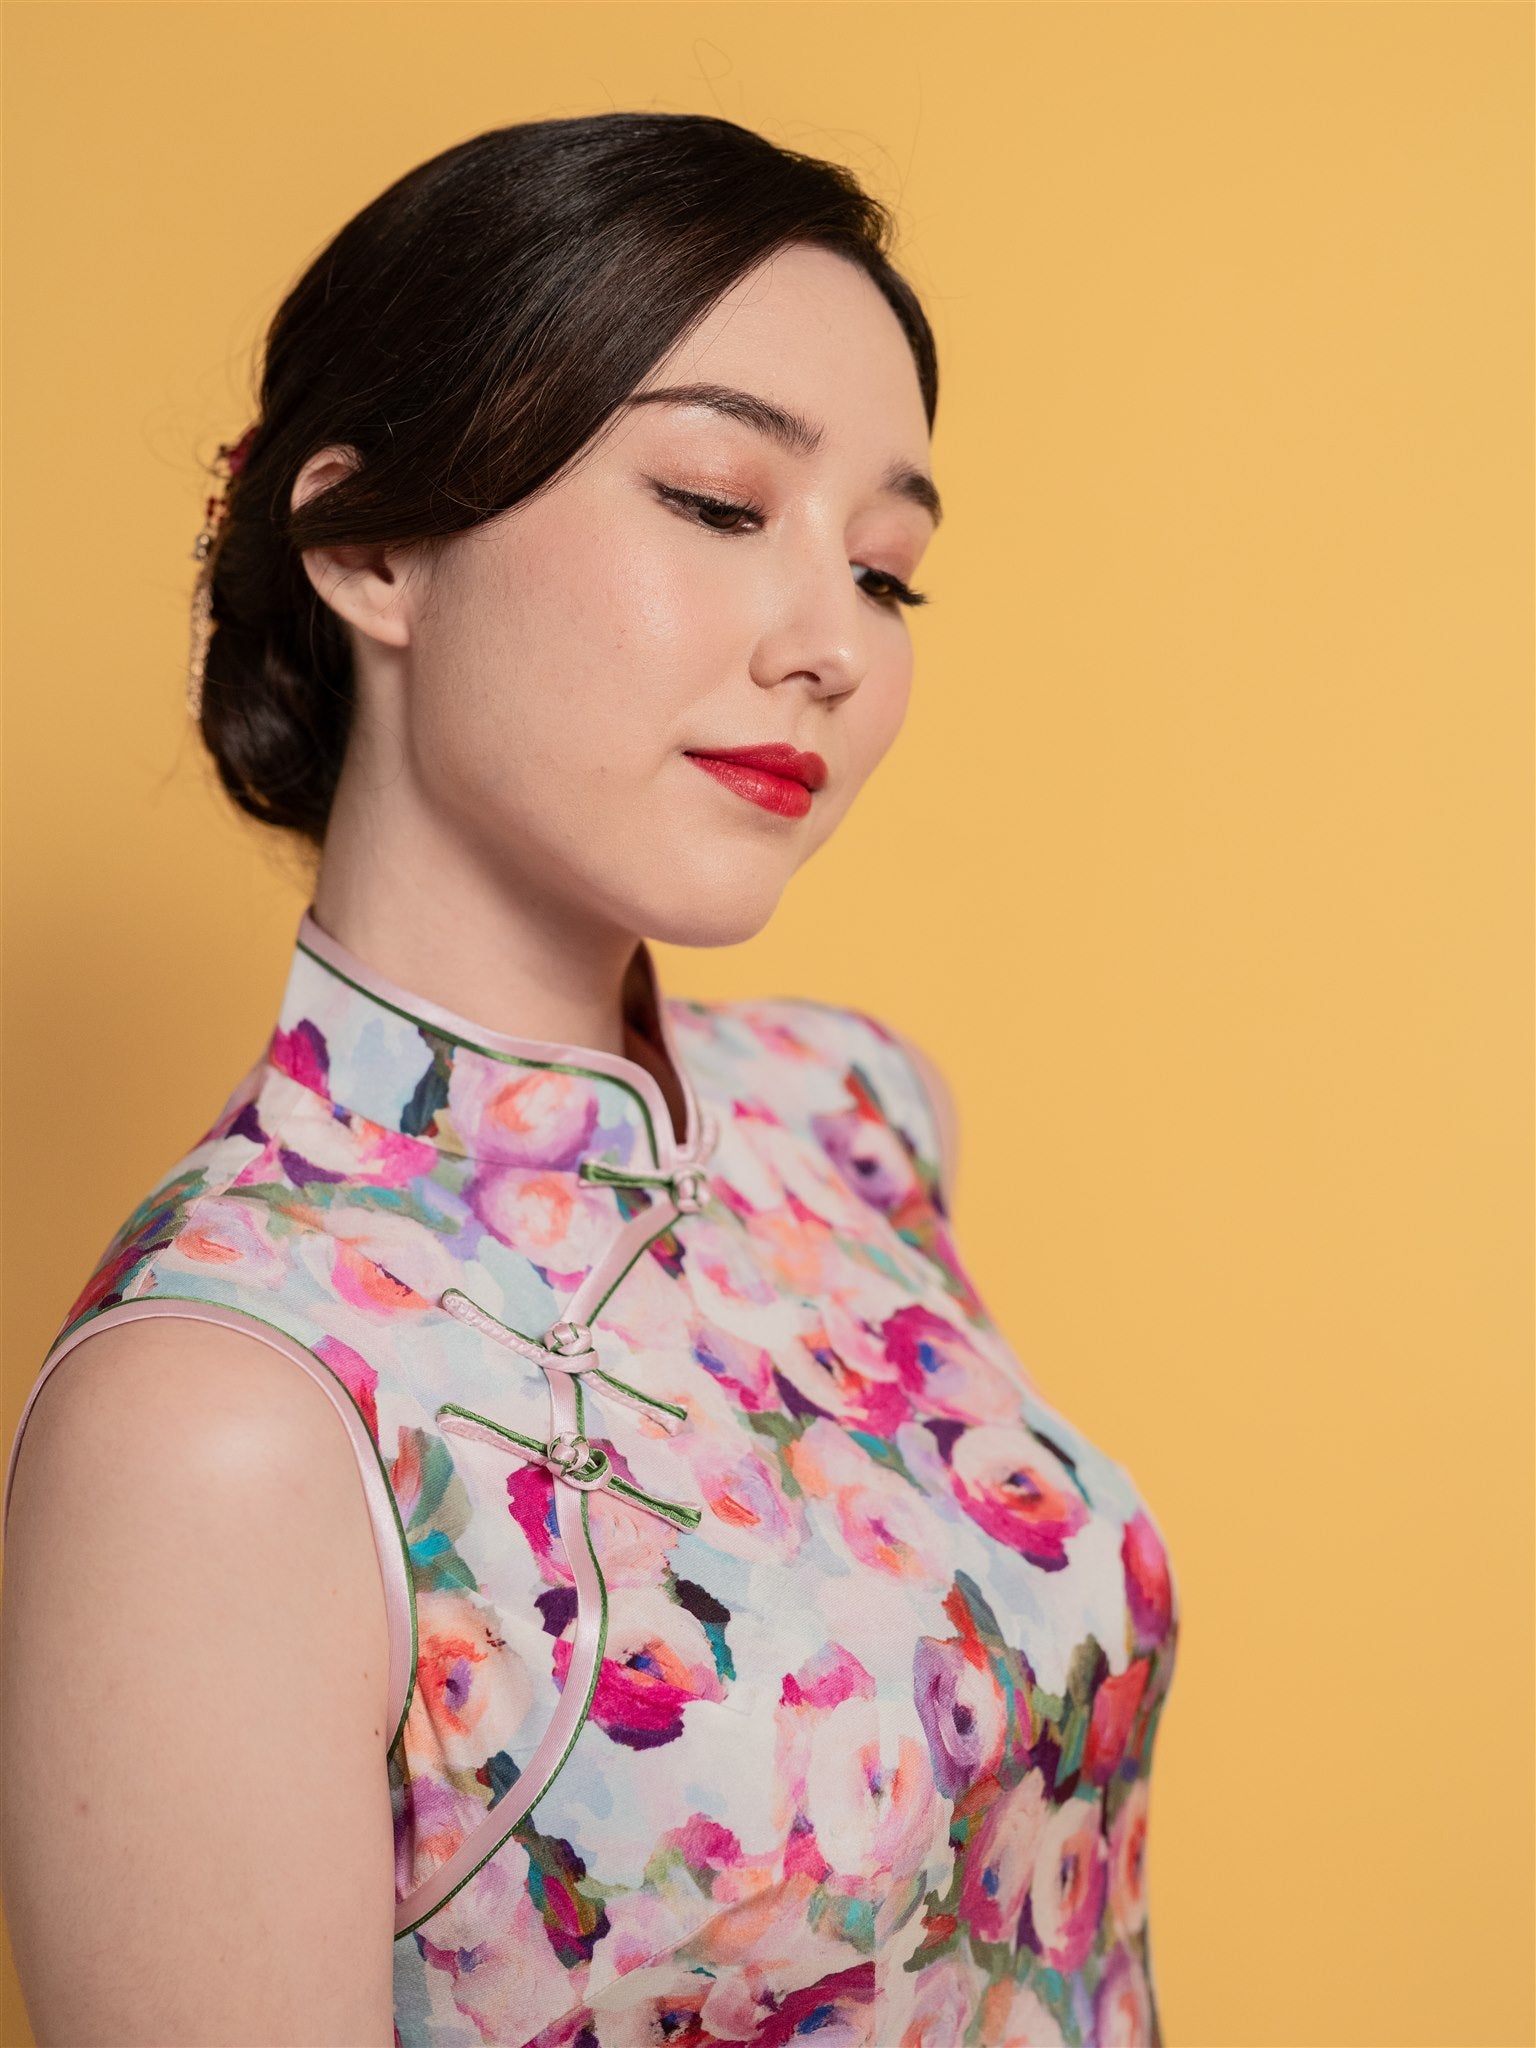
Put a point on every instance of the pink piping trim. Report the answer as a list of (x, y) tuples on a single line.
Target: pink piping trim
[(386, 1536), (700, 1135), (539, 1050), (568, 1718), (623, 1248), (570, 1710)]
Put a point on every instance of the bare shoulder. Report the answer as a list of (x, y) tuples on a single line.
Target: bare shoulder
[(194, 1689), (206, 1436), (945, 1111), (205, 1394)]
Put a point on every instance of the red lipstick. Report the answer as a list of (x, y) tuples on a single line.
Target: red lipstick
[(777, 777)]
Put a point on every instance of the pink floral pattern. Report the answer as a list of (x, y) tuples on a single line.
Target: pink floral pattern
[(868, 1754)]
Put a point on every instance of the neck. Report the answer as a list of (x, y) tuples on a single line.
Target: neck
[(433, 912)]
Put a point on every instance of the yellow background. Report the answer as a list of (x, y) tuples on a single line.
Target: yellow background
[(1202, 865)]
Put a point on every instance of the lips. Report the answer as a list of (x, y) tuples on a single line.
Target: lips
[(778, 778)]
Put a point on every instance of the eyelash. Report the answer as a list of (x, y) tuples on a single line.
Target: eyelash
[(896, 592)]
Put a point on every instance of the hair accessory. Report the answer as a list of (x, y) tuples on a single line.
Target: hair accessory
[(231, 460)]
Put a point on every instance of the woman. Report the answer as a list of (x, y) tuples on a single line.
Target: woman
[(725, 1642)]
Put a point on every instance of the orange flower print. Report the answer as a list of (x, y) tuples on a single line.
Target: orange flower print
[(514, 1116), (366, 1284), (1016, 2016), (879, 1513), (472, 1691)]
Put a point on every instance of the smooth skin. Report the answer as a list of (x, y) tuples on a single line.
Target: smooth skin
[(194, 1823), (195, 1663)]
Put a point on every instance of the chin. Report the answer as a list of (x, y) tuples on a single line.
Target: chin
[(720, 907), (692, 924)]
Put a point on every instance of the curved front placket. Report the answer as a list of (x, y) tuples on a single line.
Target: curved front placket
[(573, 1371)]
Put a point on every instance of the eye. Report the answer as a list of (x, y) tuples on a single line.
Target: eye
[(714, 508), (894, 591), (891, 593)]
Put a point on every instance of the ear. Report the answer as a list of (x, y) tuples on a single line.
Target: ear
[(362, 583)]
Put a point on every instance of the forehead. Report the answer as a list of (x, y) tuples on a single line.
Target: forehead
[(811, 333)]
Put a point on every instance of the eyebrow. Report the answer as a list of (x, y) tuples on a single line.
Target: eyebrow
[(792, 430)]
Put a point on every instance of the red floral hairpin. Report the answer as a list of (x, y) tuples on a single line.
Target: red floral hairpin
[(231, 459)]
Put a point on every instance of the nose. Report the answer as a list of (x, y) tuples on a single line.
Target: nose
[(820, 633)]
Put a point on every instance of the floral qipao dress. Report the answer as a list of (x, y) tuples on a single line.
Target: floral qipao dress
[(769, 1660)]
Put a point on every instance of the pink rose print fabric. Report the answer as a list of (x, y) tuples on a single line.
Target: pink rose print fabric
[(884, 1641)]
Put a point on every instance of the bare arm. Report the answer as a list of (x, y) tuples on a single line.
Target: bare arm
[(195, 1829)]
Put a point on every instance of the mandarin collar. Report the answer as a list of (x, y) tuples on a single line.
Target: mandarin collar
[(404, 1062)]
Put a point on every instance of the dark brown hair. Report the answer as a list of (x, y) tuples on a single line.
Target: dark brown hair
[(467, 333)]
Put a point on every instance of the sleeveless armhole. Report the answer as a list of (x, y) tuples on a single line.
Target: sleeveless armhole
[(383, 1514)]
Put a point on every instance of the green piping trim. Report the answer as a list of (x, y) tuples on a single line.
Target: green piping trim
[(623, 1386), (537, 1343), (591, 1317), (617, 1177), (202, 1301), (675, 1511), (650, 1400), (527, 1443), (607, 1293), (586, 1705), (508, 1059)]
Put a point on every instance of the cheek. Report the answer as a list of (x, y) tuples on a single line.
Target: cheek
[(876, 713), (583, 642), (553, 685), (873, 717)]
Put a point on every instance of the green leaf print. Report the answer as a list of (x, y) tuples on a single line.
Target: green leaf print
[(439, 1515)]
